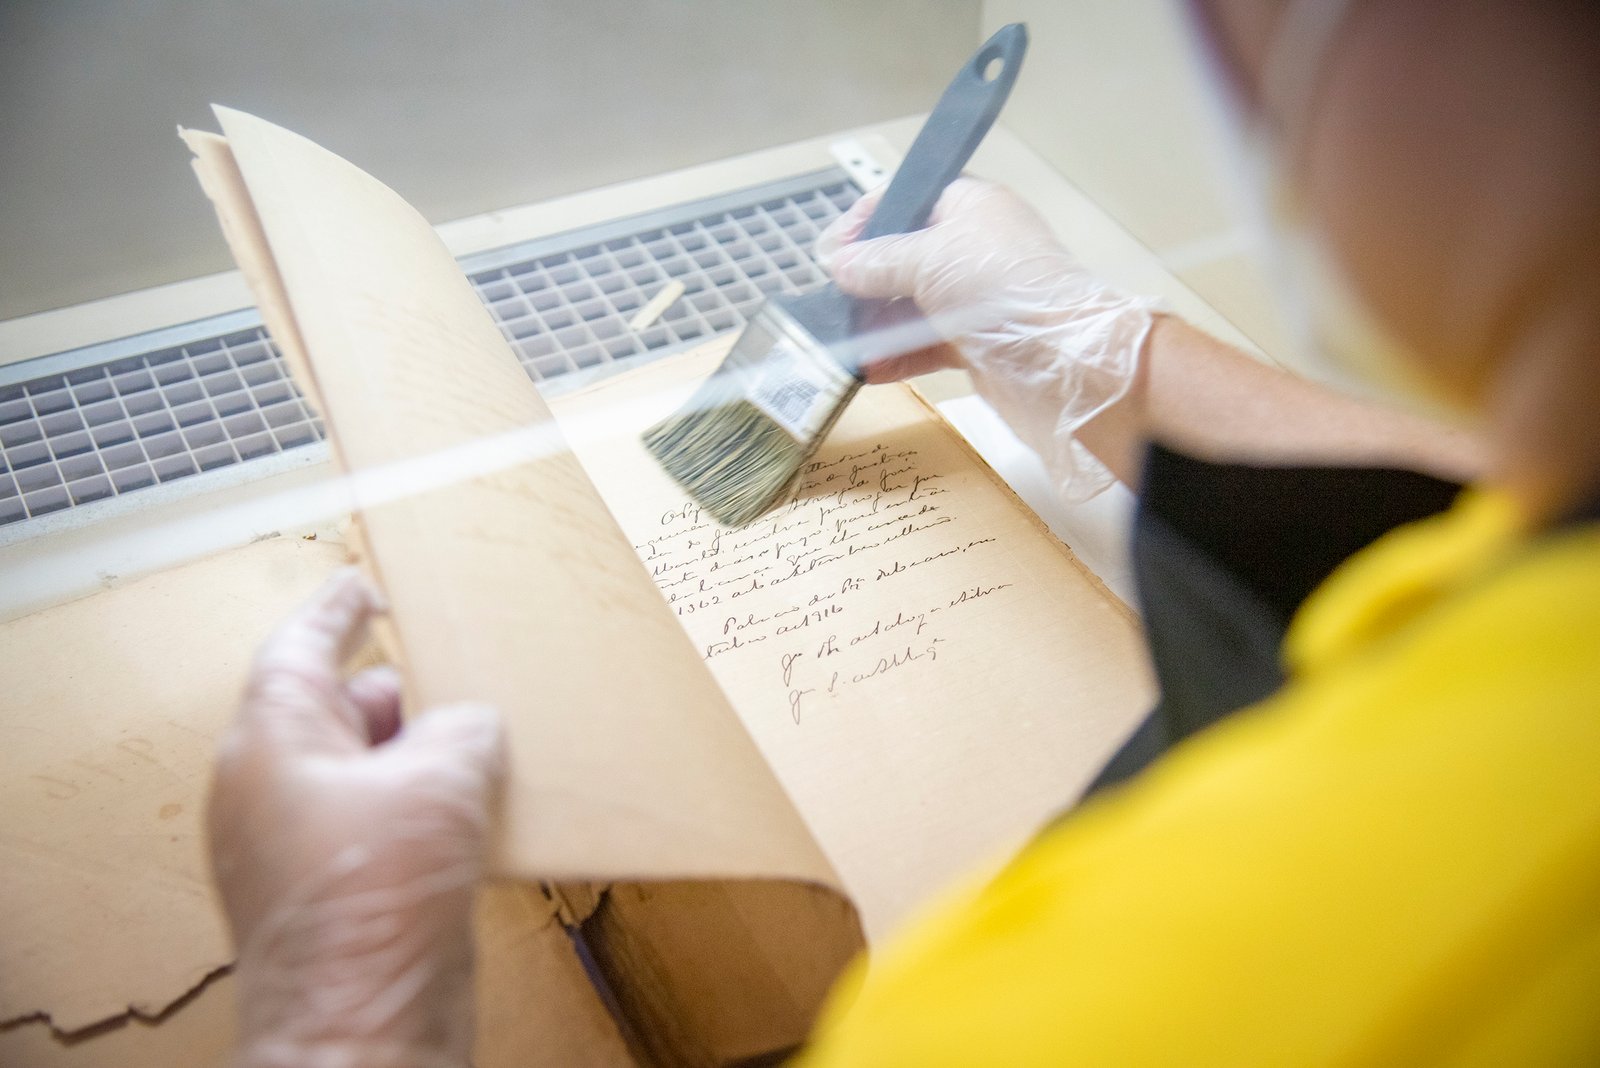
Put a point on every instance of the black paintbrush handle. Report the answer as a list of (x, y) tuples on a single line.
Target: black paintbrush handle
[(943, 146), (951, 135)]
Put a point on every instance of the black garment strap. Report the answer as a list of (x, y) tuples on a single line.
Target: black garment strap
[(1283, 530), (1224, 554), (1589, 513)]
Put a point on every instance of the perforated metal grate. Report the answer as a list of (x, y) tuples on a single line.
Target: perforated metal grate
[(112, 419)]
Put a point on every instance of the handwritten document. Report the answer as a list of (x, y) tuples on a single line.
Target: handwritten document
[(928, 671), (507, 580), (818, 558), (892, 680)]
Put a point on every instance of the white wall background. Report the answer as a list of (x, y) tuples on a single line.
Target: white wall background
[(462, 105), (1112, 98), (471, 105)]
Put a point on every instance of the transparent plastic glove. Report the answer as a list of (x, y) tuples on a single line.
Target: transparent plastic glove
[(1049, 346), (347, 850)]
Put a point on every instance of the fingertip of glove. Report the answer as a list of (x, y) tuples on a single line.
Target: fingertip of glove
[(471, 727), (832, 245), (839, 263)]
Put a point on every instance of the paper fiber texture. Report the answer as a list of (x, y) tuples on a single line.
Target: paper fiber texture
[(535, 1005), (930, 673), (110, 710), (507, 580)]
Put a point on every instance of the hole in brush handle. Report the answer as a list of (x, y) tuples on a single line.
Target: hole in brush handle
[(952, 133)]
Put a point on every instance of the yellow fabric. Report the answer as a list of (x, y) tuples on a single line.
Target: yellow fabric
[(1394, 861)]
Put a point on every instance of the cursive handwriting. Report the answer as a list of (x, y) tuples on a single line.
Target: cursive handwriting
[(801, 592)]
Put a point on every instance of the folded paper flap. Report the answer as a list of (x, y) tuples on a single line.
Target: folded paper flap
[(507, 578), (219, 178)]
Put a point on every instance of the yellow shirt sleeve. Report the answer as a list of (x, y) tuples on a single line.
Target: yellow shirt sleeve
[(1394, 861)]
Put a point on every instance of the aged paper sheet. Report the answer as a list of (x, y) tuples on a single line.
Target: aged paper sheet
[(929, 672), (536, 1007), (109, 716), (106, 901), (507, 579)]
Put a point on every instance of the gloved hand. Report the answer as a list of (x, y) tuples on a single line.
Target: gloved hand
[(1049, 345), (347, 850)]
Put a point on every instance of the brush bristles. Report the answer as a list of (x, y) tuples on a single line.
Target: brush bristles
[(730, 455)]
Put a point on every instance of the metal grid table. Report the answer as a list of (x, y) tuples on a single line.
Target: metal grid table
[(112, 419)]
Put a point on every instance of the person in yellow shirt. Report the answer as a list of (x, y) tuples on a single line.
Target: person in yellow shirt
[(1363, 824), (1393, 855)]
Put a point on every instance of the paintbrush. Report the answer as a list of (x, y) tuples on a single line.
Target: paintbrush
[(742, 438)]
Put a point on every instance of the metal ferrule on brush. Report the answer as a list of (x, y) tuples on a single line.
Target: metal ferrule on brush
[(746, 433), (741, 440)]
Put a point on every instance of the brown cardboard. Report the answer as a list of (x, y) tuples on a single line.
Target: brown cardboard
[(719, 973)]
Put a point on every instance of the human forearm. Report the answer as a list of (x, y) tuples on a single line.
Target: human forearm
[(1077, 367), (1209, 399)]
